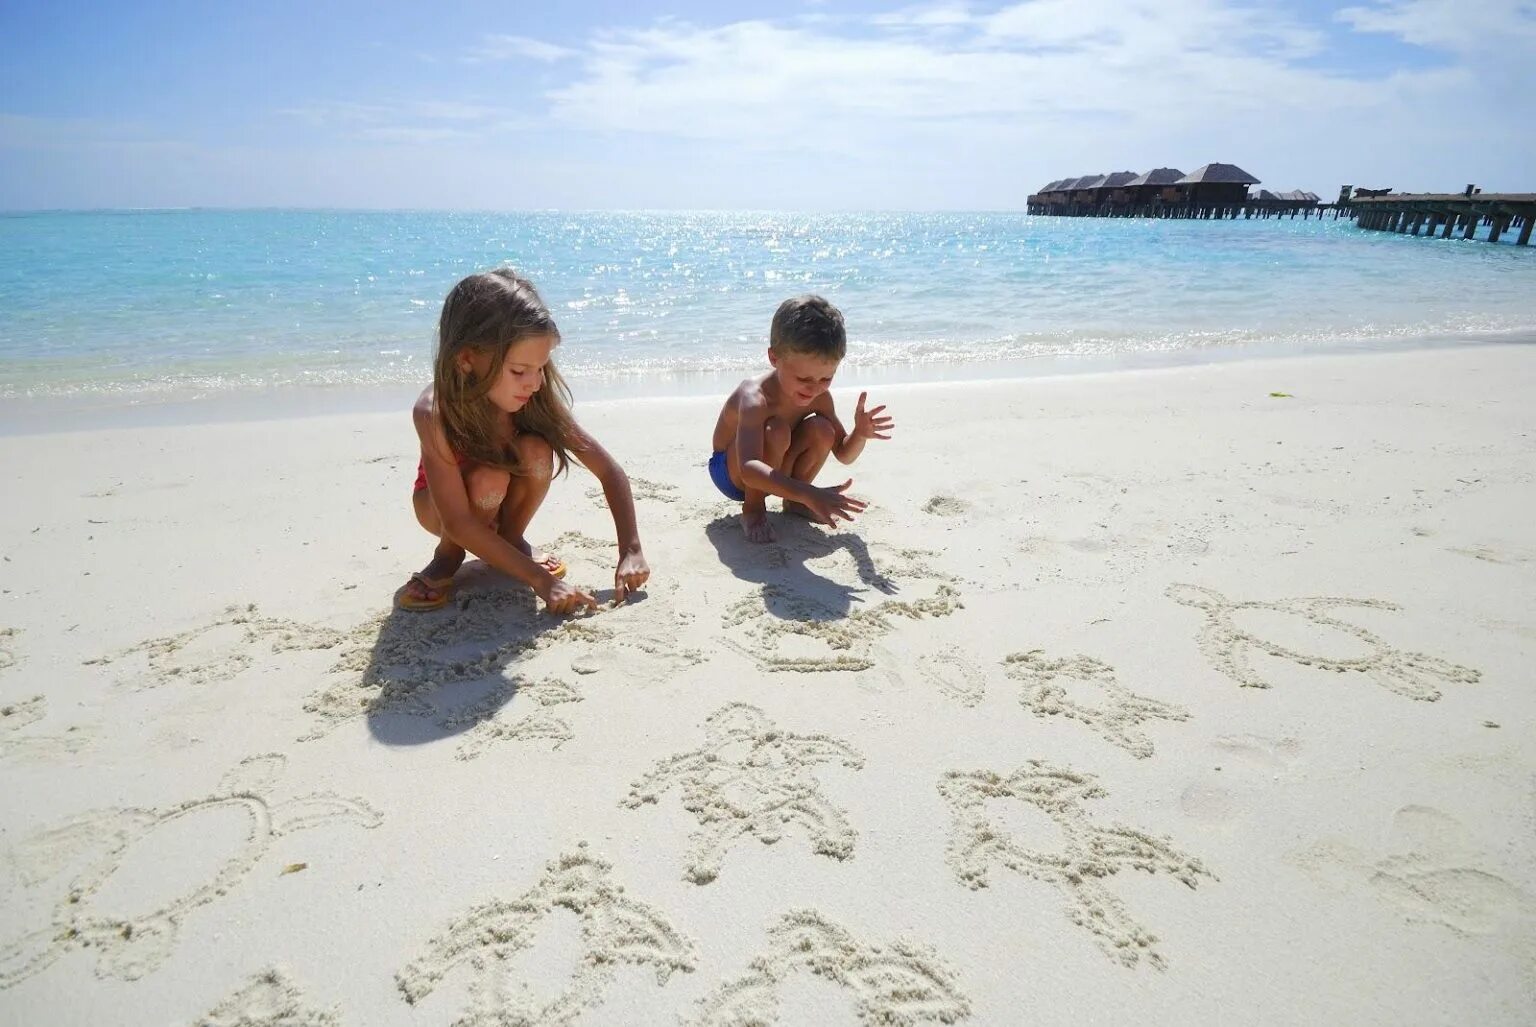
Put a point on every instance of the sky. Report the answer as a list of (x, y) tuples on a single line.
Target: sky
[(793, 105)]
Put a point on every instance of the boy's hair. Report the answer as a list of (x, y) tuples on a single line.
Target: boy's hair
[(489, 312), (808, 325)]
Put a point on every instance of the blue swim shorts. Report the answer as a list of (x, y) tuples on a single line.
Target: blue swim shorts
[(720, 474)]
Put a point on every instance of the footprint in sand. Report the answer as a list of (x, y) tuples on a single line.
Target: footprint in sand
[(751, 779), (15, 716), (1429, 871), (269, 999), (615, 929), (1090, 857), (1117, 719), (1224, 793), (844, 640), (1229, 647), (946, 506), (130, 944), (899, 983)]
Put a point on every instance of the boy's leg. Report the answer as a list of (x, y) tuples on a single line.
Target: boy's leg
[(487, 488), (526, 494), (809, 446), (777, 432)]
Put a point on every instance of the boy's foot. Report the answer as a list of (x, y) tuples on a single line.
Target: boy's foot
[(755, 524), (795, 509)]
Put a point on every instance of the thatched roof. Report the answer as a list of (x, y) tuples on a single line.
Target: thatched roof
[(1091, 182), (1118, 180), (1212, 174), (1265, 194), (1157, 176)]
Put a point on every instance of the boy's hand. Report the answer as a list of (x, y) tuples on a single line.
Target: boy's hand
[(562, 598), (828, 504), (631, 575), (870, 424)]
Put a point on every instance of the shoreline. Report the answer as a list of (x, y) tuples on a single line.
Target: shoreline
[(27, 415)]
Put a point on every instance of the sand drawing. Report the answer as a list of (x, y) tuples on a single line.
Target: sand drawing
[(640, 488), (1430, 872), (899, 983), (268, 1000), (130, 944), (1081, 869), (848, 637), (7, 650), (181, 658), (751, 779), (955, 676), (1118, 718), (615, 929), (1229, 647), (486, 729), (17, 715)]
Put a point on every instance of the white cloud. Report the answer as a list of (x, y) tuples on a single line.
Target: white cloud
[(1126, 60), (509, 48), (1469, 27)]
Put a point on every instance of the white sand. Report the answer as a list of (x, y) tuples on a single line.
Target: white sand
[(985, 757)]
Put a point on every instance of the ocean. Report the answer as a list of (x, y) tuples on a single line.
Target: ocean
[(139, 307)]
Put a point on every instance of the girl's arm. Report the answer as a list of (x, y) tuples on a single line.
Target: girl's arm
[(632, 570)]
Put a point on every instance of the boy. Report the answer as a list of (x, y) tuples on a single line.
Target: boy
[(778, 427)]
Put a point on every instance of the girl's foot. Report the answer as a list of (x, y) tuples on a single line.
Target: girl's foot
[(432, 586), (553, 564)]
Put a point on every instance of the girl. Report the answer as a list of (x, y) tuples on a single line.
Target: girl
[(493, 424)]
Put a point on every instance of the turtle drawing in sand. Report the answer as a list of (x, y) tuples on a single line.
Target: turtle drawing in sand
[(133, 942), (1230, 647)]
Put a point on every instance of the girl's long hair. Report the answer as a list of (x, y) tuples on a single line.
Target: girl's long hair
[(489, 312)]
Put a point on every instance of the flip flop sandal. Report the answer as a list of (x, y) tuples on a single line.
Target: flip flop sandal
[(442, 586)]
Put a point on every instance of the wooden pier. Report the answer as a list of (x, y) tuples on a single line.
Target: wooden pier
[(1220, 191), (1409, 213)]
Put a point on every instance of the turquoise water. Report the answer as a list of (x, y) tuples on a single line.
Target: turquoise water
[(178, 303)]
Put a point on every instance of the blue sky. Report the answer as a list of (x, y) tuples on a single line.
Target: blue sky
[(798, 105)]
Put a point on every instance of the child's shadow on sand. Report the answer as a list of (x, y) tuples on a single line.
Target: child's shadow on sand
[(783, 564), (439, 673)]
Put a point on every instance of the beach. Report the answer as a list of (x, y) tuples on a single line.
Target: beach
[(1193, 695)]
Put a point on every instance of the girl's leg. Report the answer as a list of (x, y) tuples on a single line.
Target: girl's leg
[(487, 488), (525, 494), (809, 446)]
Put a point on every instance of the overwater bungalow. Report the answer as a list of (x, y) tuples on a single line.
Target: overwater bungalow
[(1217, 186), (1157, 186)]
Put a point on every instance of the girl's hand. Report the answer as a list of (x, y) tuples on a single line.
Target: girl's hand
[(870, 424), (631, 575), (562, 598)]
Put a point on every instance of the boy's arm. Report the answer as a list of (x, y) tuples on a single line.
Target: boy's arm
[(867, 424), (757, 473)]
